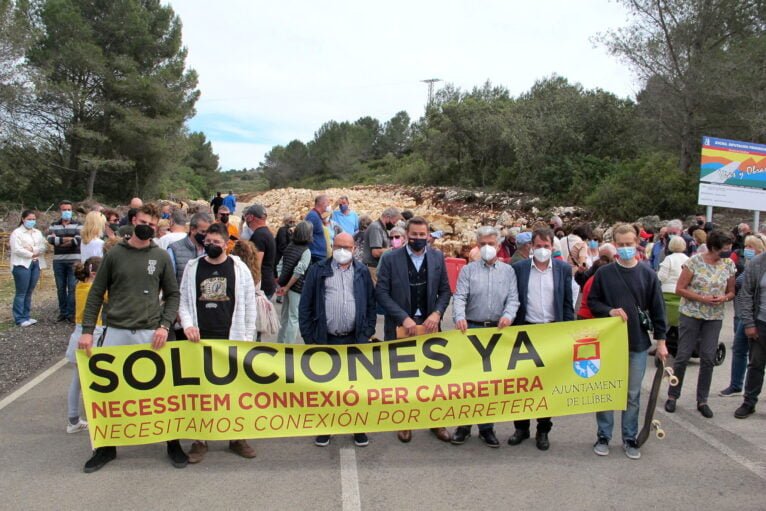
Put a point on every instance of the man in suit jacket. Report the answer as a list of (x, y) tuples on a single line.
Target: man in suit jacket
[(413, 290), (545, 296)]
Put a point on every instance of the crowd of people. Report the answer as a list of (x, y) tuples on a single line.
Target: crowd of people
[(156, 275)]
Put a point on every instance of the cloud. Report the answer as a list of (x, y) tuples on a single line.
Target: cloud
[(273, 72)]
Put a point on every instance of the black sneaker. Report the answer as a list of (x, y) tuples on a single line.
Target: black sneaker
[(322, 441), (489, 438), (101, 456), (743, 411), (670, 405), (461, 434), (60, 318), (705, 411), (361, 440), (178, 457), (518, 436)]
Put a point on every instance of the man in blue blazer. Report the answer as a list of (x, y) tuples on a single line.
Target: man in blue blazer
[(545, 296), (413, 290)]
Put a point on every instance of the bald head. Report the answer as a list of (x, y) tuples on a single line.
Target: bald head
[(136, 202), (343, 240)]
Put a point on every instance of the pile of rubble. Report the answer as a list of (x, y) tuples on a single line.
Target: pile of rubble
[(457, 213)]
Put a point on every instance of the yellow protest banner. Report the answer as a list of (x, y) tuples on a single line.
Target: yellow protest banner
[(217, 390)]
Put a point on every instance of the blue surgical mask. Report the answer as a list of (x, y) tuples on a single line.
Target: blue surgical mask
[(343, 208), (749, 253), (66, 215), (593, 244), (626, 253), (30, 224)]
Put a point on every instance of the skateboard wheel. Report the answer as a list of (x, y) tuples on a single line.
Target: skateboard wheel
[(673, 380), (660, 434)]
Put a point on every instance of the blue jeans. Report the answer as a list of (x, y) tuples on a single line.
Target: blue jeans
[(605, 420), (65, 282), (25, 280), (739, 350)]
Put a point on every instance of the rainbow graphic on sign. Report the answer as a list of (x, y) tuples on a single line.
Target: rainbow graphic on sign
[(733, 162)]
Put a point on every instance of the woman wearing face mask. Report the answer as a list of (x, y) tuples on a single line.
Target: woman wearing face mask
[(754, 245), (705, 284), (27, 246), (292, 271)]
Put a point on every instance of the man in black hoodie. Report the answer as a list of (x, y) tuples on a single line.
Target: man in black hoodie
[(133, 273)]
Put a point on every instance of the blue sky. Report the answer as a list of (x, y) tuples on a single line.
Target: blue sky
[(271, 72)]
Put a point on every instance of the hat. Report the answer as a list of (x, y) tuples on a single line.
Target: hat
[(523, 238), (257, 210)]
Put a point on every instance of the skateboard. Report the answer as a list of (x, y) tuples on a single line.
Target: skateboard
[(650, 423)]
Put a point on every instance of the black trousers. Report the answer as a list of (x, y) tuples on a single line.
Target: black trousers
[(544, 424), (756, 365)]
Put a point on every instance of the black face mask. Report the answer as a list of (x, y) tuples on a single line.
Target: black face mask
[(114, 227), (725, 253), (700, 222), (224, 219), (143, 232), (390, 226), (417, 245), (199, 238), (213, 251)]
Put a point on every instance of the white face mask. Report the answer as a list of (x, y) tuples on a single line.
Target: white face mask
[(328, 209), (341, 256), (542, 254), (488, 253)]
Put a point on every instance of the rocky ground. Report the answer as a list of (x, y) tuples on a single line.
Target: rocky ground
[(26, 351)]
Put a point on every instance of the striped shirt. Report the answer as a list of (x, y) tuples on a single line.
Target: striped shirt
[(486, 293), (339, 303)]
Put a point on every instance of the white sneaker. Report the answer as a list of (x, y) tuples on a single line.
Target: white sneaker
[(32, 321), (76, 428), (27, 323)]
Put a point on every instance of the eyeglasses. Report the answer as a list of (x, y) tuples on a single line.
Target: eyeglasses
[(395, 237)]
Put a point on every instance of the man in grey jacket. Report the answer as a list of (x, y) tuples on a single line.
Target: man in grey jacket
[(751, 310)]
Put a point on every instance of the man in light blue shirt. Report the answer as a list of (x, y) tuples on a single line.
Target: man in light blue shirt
[(345, 218), (230, 201)]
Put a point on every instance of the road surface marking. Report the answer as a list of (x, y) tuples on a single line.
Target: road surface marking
[(349, 480), (32, 383)]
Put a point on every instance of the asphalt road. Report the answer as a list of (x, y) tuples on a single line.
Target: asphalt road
[(703, 464)]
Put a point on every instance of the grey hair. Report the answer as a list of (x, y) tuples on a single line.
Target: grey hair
[(178, 217), (200, 217), (608, 247), (486, 230), (303, 233), (676, 224), (320, 198), (398, 230), (343, 197), (391, 213)]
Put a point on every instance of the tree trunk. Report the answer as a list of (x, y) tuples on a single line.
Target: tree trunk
[(91, 183)]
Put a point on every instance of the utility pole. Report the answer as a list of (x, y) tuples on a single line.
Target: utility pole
[(431, 82)]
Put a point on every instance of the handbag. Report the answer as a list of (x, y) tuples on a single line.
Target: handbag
[(643, 316), (266, 317)]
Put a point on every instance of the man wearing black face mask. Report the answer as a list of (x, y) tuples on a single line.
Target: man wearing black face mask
[(134, 273), (414, 290), (218, 302), (192, 246)]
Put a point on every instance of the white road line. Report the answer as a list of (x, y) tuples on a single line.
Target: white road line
[(349, 480), (32, 383), (757, 468)]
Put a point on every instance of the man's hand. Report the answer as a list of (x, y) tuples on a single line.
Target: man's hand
[(751, 332), (85, 343), (504, 322), (461, 325), (432, 322), (159, 339), (618, 313), (662, 351), (192, 333), (281, 291), (409, 326)]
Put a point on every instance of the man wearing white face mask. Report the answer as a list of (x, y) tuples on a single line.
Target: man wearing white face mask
[(338, 305), (545, 296), (486, 297)]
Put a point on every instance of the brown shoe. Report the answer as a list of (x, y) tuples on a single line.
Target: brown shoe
[(197, 451), (404, 436), (442, 434), (241, 448)]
